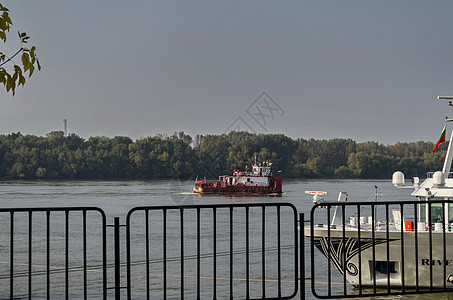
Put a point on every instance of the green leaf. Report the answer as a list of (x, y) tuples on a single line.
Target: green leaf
[(25, 60), (14, 77), (31, 69), (3, 25), (5, 17), (21, 80)]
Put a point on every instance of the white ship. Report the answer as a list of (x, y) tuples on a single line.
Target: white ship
[(387, 244)]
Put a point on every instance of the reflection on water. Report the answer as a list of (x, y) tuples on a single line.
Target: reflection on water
[(116, 198)]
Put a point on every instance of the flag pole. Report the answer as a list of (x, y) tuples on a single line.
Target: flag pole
[(449, 156)]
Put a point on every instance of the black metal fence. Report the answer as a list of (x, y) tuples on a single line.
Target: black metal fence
[(53, 252), (381, 248), (240, 251), (236, 251)]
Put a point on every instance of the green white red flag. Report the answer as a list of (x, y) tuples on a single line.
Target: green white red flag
[(441, 138)]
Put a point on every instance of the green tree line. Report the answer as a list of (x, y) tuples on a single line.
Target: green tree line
[(57, 156)]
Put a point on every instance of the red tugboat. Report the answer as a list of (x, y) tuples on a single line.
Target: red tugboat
[(260, 181)]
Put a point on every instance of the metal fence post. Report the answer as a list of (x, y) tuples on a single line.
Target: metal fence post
[(302, 255), (117, 258)]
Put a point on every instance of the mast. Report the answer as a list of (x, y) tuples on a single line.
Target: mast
[(449, 156)]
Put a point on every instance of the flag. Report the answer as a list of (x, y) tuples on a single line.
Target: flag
[(441, 138)]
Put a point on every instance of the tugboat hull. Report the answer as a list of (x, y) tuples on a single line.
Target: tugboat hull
[(207, 188), (260, 181)]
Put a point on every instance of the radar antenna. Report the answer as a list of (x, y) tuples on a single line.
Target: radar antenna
[(449, 98)]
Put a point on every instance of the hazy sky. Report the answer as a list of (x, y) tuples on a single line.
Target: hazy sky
[(366, 70)]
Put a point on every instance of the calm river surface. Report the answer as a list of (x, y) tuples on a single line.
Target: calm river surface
[(116, 198)]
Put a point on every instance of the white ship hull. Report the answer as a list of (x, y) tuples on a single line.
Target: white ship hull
[(365, 261)]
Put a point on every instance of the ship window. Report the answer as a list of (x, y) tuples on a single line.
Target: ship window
[(248, 179), (450, 213), (437, 215), (384, 268), (422, 209)]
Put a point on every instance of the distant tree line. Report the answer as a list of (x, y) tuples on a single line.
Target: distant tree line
[(57, 156)]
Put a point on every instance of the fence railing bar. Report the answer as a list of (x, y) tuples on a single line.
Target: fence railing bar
[(198, 254), (165, 251), (360, 252), (312, 252), (430, 233), (48, 252), (30, 253), (128, 256), (298, 227), (302, 257), (247, 253), (444, 245), (329, 255), (85, 278), (104, 255), (387, 233), (182, 250), (214, 250), (263, 247), (147, 253), (279, 258), (117, 255), (343, 254), (373, 241), (231, 253), (66, 250), (11, 251), (417, 275), (402, 228)]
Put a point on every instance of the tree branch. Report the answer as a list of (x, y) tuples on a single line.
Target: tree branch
[(9, 59)]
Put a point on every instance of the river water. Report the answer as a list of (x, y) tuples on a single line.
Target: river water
[(117, 198)]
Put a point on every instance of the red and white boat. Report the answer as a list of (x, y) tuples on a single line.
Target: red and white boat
[(259, 181)]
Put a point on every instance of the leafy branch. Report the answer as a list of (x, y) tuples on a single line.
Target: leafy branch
[(12, 74)]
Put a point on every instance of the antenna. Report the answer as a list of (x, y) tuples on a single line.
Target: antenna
[(450, 98)]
